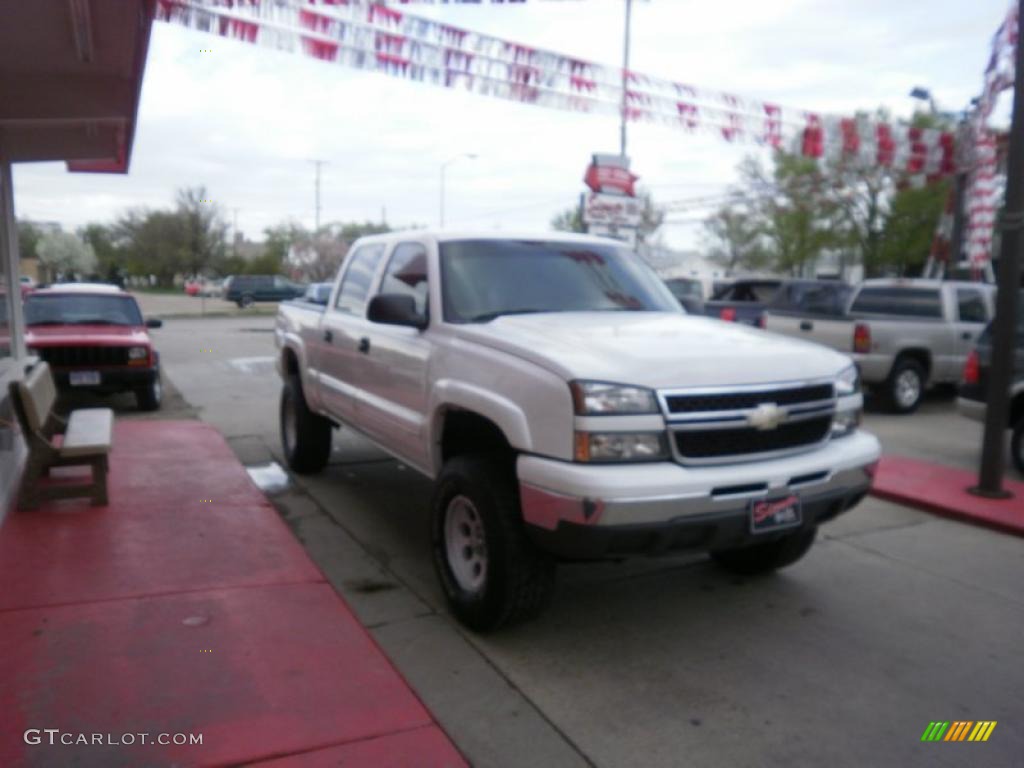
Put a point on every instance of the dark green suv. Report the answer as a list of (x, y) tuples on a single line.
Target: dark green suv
[(246, 289)]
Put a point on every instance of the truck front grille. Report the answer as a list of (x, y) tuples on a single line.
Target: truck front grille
[(734, 401), (720, 443), (716, 426), (83, 357)]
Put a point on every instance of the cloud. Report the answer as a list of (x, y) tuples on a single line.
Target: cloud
[(245, 122)]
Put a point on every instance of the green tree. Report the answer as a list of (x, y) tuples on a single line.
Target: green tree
[(569, 220), (28, 237), (906, 238), (64, 255), (735, 240), (111, 261), (203, 227)]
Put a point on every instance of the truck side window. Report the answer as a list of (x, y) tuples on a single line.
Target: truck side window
[(355, 284), (406, 273), (971, 306)]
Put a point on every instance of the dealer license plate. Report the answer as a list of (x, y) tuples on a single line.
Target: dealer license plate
[(84, 378), (774, 514)]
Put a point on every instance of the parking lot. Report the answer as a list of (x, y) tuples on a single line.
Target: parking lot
[(895, 618)]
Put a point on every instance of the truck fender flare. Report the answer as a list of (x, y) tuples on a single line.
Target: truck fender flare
[(508, 416)]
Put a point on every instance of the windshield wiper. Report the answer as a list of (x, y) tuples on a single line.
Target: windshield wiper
[(487, 316)]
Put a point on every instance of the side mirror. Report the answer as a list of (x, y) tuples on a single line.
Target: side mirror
[(395, 309), (154, 322)]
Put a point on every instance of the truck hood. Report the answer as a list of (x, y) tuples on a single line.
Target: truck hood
[(86, 336), (654, 349)]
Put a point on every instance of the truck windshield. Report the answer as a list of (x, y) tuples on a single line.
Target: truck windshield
[(483, 279), (84, 309)]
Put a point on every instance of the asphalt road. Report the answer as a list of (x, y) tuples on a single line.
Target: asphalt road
[(894, 619)]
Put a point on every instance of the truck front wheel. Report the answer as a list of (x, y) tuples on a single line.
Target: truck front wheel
[(305, 436), (491, 573), (761, 558)]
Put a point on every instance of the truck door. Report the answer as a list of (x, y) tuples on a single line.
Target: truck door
[(340, 363), (393, 409), (972, 315)]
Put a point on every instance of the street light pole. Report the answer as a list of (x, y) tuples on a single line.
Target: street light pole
[(997, 413), (625, 78), (444, 167)]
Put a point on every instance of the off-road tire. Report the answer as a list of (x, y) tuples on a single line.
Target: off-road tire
[(307, 447), (1017, 445), (149, 397), (769, 556), (520, 578), (906, 366)]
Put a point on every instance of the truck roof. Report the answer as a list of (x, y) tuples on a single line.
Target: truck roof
[(921, 282), (449, 235), (80, 288)]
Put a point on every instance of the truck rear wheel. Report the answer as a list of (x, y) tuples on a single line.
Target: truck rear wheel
[(761, 558), (305, 436), (1017, 446), (491, 573), (905, 386)]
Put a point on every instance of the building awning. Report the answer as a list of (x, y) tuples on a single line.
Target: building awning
[(70, 78)]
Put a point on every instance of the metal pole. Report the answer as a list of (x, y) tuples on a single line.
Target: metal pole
[(956, 240), (625, 78), (997, 414), (443, 166), (317, 163), (9, 254)]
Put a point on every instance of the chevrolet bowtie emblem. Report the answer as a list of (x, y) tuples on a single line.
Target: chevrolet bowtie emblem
[(766, 416)]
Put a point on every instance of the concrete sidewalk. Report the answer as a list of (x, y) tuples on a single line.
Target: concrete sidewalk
[(187, 607)]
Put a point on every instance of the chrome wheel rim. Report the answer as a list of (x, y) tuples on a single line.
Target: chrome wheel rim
[(288, 428), (465, 545), (908, 388)]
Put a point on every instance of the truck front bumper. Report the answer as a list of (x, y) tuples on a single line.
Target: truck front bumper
[(592, 511)]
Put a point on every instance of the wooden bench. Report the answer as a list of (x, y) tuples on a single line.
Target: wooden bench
[(85, 441)]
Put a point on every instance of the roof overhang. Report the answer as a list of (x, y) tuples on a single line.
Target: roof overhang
[(70, 78)]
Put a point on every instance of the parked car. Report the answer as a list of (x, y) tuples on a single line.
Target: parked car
[(974, 386), (742, 301), (191, 287), (809, 300), (244, 290), (318, 293), (94, 338), (905, 335), (688, 292), (567, 408)]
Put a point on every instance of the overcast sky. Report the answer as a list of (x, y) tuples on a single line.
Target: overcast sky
[(244, 121)]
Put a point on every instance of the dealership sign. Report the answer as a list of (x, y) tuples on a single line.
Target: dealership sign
[(611, 210), (610, 174)]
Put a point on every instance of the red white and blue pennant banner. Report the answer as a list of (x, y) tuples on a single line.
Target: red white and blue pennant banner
[(371, 36)]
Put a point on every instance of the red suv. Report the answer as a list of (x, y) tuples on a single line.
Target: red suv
[(94, 338)]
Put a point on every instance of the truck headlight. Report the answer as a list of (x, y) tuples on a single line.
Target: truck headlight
[(137, 355), (845, 422), (595, 398), (620, 446), (848, 382)]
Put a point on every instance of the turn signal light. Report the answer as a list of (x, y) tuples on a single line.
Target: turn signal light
[(972, 373), (728, 314), (862, 338)]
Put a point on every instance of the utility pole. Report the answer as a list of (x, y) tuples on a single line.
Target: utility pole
[(318, 164), (997, 413), (234, 232), (625, 78)]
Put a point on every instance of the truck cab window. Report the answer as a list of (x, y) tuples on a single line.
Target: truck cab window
[(355, 285), (971, 306), (407, 274)]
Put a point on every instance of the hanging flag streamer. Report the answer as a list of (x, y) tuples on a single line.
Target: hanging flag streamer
[(371, 36), (985, 185)]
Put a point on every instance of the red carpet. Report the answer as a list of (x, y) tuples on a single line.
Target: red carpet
[(165, 613), (943, 491)]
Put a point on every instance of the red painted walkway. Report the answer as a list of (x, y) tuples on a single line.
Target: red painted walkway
[(942, 490), (187, 606)]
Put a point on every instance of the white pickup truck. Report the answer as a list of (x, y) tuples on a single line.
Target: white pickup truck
[(566, 407)]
